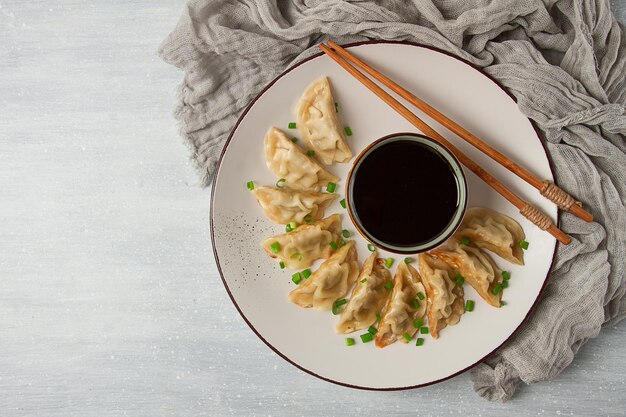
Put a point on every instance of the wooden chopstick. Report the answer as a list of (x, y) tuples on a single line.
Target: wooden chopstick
[(547, 188), (527, 210)]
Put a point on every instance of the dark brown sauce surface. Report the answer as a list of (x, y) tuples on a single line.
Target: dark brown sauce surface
[(404, 193)]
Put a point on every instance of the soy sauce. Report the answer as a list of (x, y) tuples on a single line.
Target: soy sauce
[(404, 193)]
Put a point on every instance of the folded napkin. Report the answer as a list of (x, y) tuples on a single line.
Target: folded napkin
[(564, 60)]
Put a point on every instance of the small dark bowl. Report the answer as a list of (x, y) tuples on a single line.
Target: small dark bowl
[(461, 187)]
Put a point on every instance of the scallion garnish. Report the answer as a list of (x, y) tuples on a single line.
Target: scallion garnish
[(505, 284), (523, 244), (458, 278), (506, 275), (308, 218), (417, 323), (366, 337), (306, 273), (342, 203), (297, 255), (341, 242), (330, 187), (465, 240), (424, 330), (347, 130), (420, 295), (291, 125), (377, 316), (415, 304), (371, 247), (296, 278), (350, 341), (502, 303), (419, 341), (293, 224), (372, 330), (281, 264), (388, 262), (333, 244), (407, 336), (279, 183), (338, 304), (345, 233), (336, 107), (364, 280), (288, 228), (388, 285), (250, 185), (310, 152), (469, 305), (294, 139), (408, 260), (497, 287), (275, 247)]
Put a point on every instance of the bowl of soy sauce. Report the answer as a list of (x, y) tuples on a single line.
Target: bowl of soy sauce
[(406, 193)]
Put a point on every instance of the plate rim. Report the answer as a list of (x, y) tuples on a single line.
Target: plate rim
[(212, 205)]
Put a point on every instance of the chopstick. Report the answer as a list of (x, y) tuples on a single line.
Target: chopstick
[(526, 209), (547, 188)]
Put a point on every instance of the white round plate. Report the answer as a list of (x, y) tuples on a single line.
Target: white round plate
[(259, 288)]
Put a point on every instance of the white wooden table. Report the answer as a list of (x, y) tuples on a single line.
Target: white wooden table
[(110, 301)]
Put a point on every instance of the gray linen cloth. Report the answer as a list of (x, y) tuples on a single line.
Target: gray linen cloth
[(564, 60)]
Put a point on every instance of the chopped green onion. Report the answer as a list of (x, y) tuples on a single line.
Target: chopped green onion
[(281, 264), (377, 316), (417, 323), (296, 255), (419, 341), (496, 288), (291, 125), (310, 152), (420, 295), (364, 280), (347, 130), (388, 262), (465, 240), (469, 305), (338, 304), (345, 233), (524, 245), (415, 304), (275, 247), (424, 330), (294, 139), (250, 185), (372, 330), (505, 284), (408, 260), (458, 278), (343, 203), (407, 336), (506, 275), (336, 107), (330, 187), (308, 218), (334, 245), (293, 224), (279, 183), (306, 273), (388, 285), (288, 228), (366, 337), (502, 303), (341, 242), (350, 341), (371, 247), (296, 278)]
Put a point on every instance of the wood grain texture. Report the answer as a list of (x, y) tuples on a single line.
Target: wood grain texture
[(110, 301)]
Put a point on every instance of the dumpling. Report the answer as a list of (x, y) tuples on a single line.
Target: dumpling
[(330, 282), (367, 297), (283, 205), (403, 307), (319, 125), (493, 231), (445, 298), (287, 160), (476, 267), (304, 245)]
